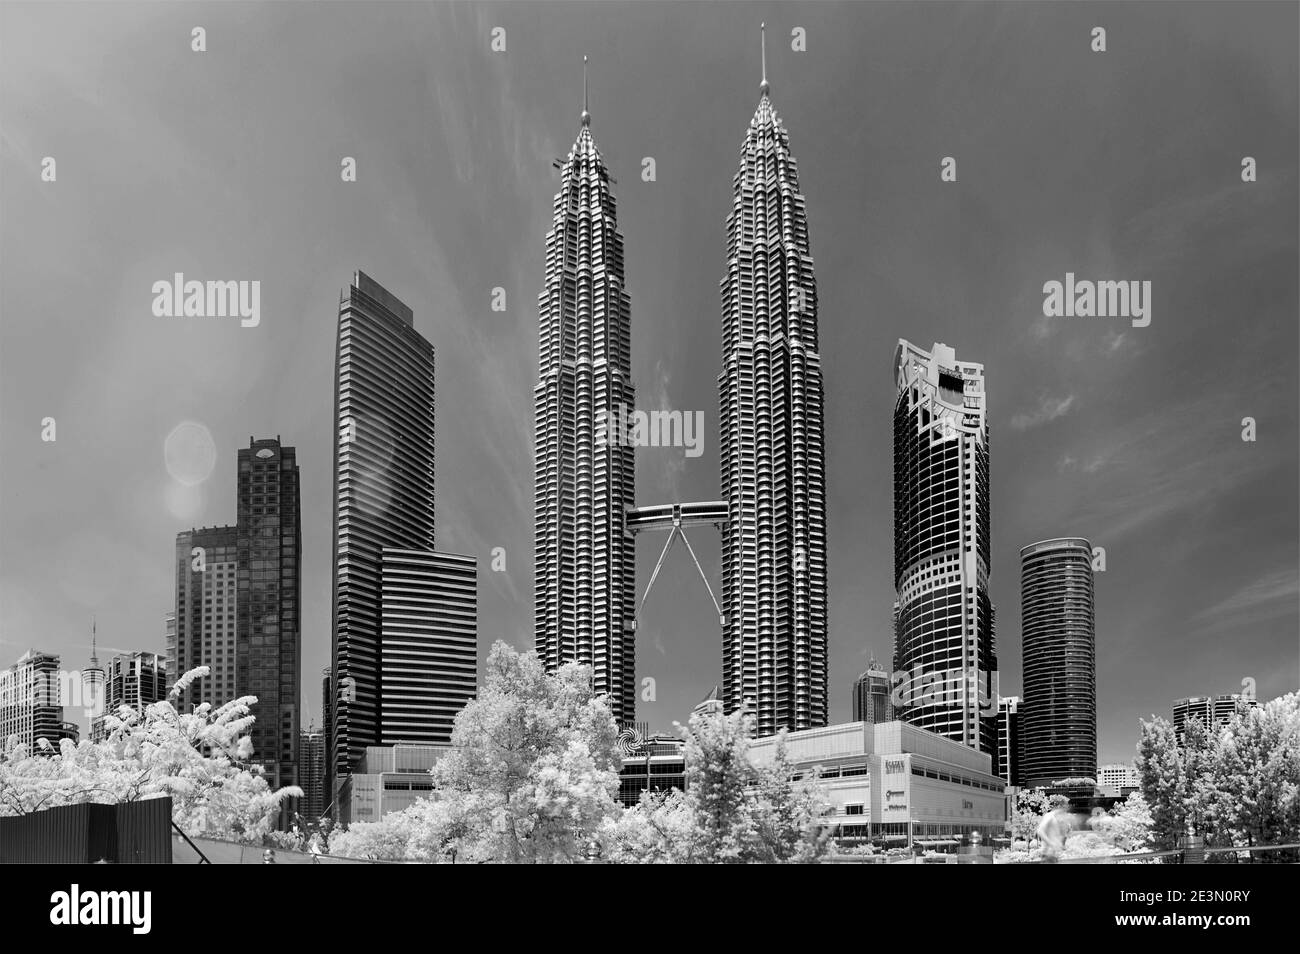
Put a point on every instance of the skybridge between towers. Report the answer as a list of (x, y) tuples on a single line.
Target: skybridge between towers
[(675, 518)]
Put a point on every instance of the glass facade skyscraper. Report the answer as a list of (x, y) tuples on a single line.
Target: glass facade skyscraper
[(1058, 720), (429, 656), (383, 494), (268, 647)]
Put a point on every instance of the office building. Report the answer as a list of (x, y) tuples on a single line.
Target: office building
[(429, 654), (585, 560), (659, 766), (32, 692), (1058, 720), (327, 691), (311, 772), (383, 494), (137, 680), (945, 653), (772, 443), (268, 600), (1212, 711), (1118, 778), (388, 778), (871, 696), (207, 586)]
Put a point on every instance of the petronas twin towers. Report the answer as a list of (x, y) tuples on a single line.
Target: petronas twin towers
[(771, 431)]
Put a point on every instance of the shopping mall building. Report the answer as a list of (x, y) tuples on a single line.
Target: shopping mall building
[(895, 784)]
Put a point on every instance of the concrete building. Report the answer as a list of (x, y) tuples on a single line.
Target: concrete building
[(1058, 721), (383, 495), (388, 778), (585, 560), (1118, 778), (945, 644), (896, 784), (772, 443), (137, 680), (429, 644)]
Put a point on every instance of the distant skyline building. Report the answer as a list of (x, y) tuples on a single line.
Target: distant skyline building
[(1006, 759), (429, 659), (31, 705), (138, 680), (944, 620), (383, 495), (311, 772), (772, 443), (872, 701), (585, 560), (207, 585), (1210, 710), (1059, 718), (268, 645)]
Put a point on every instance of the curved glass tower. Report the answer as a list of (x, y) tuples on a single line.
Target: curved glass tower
[(585, 570), (772, 450), (1058, 722), (944, 643)]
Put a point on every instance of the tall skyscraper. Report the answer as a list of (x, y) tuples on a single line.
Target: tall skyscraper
[(311, 772), (383, 494), (585, 561), (207, 580), (1006, 758), (137, 680), (771, 443), (1059, 719), (1212, 711), (429, 659), (871, 696), (268, 650), (944, 626)]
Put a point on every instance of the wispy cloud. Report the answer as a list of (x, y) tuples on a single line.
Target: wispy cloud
[(1270, 595), (1049, 409)]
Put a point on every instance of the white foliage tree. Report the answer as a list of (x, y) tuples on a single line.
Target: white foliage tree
[(198, 758), (533, 775)]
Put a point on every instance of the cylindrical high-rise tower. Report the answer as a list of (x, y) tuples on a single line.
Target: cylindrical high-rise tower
[(1058, 722)]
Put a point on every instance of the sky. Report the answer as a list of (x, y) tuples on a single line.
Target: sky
[(225, 165)]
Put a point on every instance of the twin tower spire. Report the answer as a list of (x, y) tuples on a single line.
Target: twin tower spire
[(763, 87), (770, 440)]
